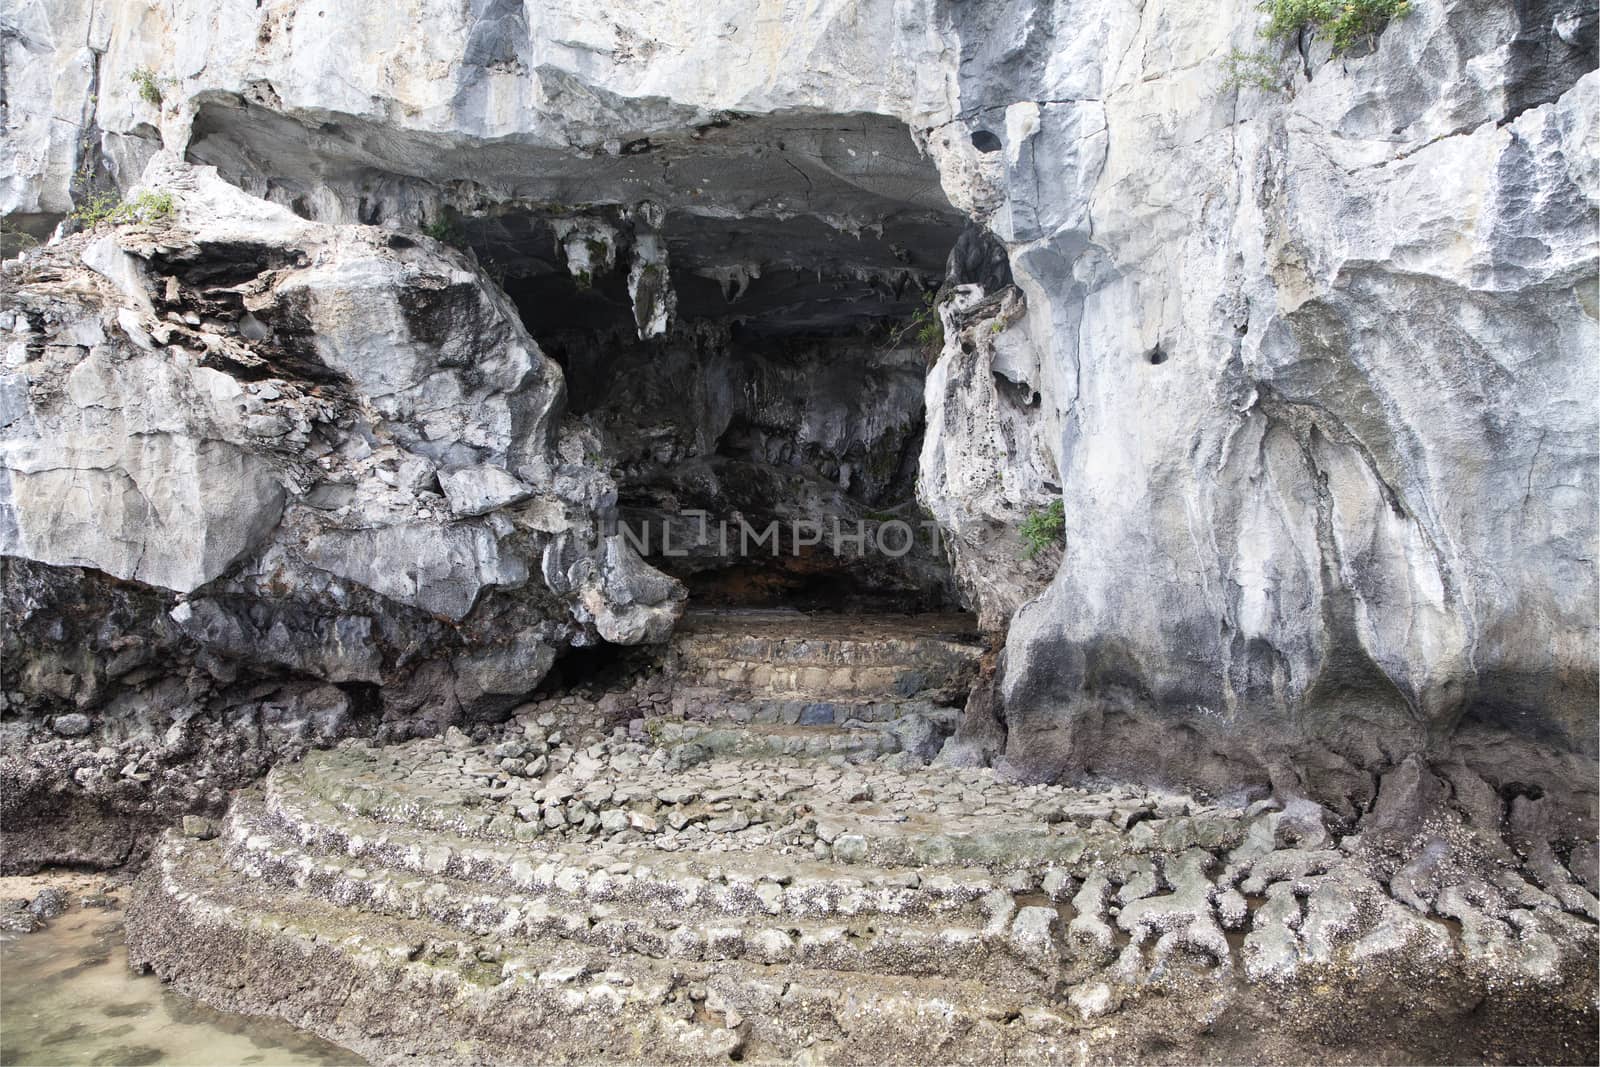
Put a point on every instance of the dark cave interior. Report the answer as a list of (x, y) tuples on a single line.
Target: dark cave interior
[(782, 395)]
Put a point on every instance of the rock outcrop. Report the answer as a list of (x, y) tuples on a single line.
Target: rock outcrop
[(1306, 357), (1306, 361), (326, 460)]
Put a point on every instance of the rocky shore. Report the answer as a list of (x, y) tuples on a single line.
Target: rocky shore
[(669, 903)]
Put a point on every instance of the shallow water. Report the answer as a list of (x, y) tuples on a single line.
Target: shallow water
[(67, 996)]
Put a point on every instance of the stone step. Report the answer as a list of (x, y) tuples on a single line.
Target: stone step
[(832, 902), (1199, 867), (736, 673), (709, 704), (823, 639), (911, 733), (757, 739), (710, 883), (872, 815), (400, 989), (825, 658), (1015, 948)]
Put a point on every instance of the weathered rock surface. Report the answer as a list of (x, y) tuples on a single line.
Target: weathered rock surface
[(772, 906), (1304, 366), (323, 456), (1308, 364)]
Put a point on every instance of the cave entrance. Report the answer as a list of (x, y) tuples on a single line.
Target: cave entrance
[(765, 441), (735, 299), (754, 372)]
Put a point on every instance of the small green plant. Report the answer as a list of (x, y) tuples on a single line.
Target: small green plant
[(96, 209), (149, 206), (150, 84), (1342, 22), (1255, 70), (1044, 527), (445, 231), (926, 327)]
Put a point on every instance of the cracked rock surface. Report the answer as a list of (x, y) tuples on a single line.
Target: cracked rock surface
[(329, 434), (637, 896)]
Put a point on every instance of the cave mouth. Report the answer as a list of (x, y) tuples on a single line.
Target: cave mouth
[(767, 432), (755, 383), (741, 304)]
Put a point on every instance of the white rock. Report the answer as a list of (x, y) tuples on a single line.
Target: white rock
[(1093, 1000), (481, 489)]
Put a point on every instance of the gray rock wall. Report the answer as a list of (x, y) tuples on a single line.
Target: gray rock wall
[(1316, 372), (1311, 365)]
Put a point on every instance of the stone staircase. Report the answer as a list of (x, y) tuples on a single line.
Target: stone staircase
[(712, 893), (796, 669)]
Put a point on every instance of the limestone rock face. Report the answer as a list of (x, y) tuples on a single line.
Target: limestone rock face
[(113, 476), (1310, 372), (311, 443), (985, 465), (1308, 358)]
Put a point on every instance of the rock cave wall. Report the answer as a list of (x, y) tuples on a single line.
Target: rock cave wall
[(1309, 367), (1310, 385)]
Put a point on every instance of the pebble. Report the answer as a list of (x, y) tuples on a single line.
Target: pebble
[(48, 903), (850, 848), (1094, 999), (198, 827), (73, 724)]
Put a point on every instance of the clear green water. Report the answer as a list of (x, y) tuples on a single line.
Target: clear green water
[(67, 996)]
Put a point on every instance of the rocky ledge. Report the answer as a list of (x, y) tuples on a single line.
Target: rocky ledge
[(647, 896)]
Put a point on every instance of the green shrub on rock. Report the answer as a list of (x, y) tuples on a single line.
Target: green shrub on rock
[(149, 206), (1251, 69), (1343, 22), (149, 83), (445, 231), (924, 327), (1044, 527)]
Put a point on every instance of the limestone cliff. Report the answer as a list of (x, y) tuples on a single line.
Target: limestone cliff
[(1310, 360)]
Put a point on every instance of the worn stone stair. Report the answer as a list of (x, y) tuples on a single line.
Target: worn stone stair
[(679, 899), (561, 904), (418, 990), (794, 669)]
